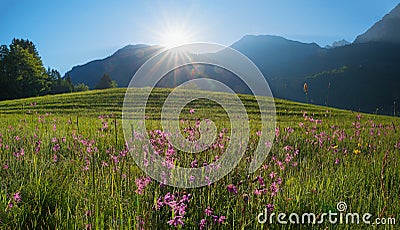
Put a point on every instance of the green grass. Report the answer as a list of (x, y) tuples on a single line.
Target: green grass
[(74, 172)]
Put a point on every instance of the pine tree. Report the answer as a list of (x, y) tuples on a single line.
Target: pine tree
[(106, 82)]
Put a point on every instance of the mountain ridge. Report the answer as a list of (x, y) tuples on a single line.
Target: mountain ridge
[(361, 76), (385, 30)]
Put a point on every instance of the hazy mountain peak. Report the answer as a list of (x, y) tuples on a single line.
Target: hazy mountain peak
[(395, 13), (268, 40), (340, 43), (385, 30)]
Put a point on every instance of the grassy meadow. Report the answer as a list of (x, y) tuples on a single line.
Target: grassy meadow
[(64, 165)]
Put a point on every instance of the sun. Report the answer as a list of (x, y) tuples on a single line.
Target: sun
[(175, 37)]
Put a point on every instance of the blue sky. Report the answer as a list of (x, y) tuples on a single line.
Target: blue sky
[(68, 33)]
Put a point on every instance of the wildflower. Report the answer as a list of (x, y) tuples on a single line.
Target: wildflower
[(56, 148), (38, 144), (289, 130), (260, 180), (194, 164), (88, 213), (20, 153), (272, 175), (258, 192), (159, 203), (176, 221), (276, 132), (288, 158), (273, 188), (17, 197), (104, 126), (140, 223), (232, 188), (280, 164), (5, 167), (208, 211), (186, 198), (114, 158), (203, 223), (141, 184), (337, 161), (270, 208), (55, 158), (221, 219), (168, 198), (288, 148), (356, 151), (180, 208), (191, 111)]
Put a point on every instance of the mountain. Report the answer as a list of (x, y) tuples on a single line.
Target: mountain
[(362, 76), (121, 66), (338, 44), (273, 54), (385, 30)]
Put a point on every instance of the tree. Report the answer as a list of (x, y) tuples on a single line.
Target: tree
[(22, 72), (59, 85), (106, 82), (81, 87), (3, 80), (69, 80)]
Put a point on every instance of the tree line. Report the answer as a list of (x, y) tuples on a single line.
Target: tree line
[(22, 74)]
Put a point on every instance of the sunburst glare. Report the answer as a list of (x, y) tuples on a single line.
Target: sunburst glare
[(173, 37)]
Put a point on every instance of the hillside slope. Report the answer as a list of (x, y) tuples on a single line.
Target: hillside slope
[(110, 101), (385, 30), (121, 66)]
